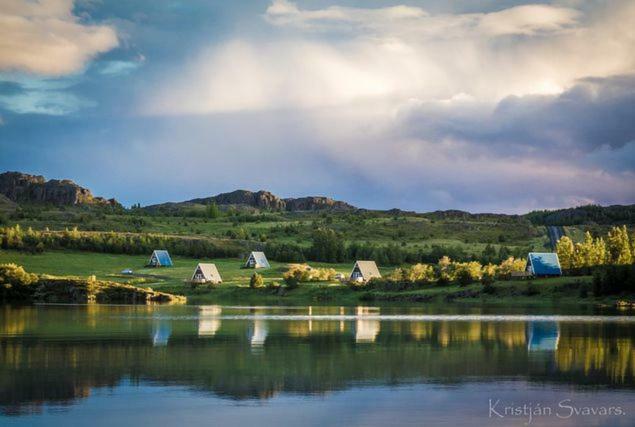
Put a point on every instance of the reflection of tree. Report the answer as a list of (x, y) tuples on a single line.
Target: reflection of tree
[(42, 366), (598, 350)]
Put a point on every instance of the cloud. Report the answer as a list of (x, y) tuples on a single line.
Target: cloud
[(525, 19), (118, 68), (29, 95), (45, 38), (592, 114), (392, 54), (483, 111)]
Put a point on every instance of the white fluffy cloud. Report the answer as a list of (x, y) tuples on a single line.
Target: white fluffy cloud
[(397, 53), (525, 19), (44, 37)]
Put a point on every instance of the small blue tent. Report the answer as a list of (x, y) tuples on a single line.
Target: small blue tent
[(543, 264), (160, 258)]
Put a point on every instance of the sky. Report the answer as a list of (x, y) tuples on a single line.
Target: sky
[(479, 105)]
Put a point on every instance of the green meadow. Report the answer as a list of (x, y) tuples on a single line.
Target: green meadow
[(235, 286), (109, 267)]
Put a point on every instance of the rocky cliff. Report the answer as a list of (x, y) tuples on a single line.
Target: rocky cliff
[(263, 200), (20, 187), (316, 203), (259, 200)]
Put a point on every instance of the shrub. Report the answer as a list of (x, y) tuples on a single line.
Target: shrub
[(305, 273), (256, 281), (15, 283)]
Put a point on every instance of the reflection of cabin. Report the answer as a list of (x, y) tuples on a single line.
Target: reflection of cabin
[(363, 271), (366, 330), (543, 264), (208, 321), (257, 260), (206, 273), (161, 332), (160, 258), (542, 336), (258, 333)]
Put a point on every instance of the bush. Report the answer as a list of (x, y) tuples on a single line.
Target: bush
[(15, 283), (305, 273), (256, 281)]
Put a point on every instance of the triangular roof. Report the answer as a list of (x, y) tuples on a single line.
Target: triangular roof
[(368, 269), (544, 263), (259, 258), (162, 256), (210, 272)]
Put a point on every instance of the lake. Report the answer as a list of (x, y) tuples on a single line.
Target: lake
[(104, 365)]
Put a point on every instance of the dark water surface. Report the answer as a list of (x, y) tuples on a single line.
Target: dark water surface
[(312, 366)]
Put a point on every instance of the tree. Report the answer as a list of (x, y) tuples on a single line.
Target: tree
[(510, 265), (445, 271), (467, 272), (565, 251), (619, 246), (420, 273), (488, 274), (327, 246), (212, 211)]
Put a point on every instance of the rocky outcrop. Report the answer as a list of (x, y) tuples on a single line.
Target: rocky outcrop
[(259, 200), (19, 187), (316, 203), (266, 200)]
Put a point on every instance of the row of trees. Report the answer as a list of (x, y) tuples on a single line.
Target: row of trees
[(329, 246), (113, 242), (616, 248)]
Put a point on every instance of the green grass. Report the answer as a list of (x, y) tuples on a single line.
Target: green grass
[(235, 288), (109, 266)]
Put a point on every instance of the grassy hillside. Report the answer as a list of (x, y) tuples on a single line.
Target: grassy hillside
[(416, 232)]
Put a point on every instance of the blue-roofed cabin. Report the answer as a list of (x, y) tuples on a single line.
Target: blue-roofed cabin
[(160, 258), (543, 264)]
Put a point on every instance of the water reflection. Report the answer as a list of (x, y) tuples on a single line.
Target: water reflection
[(59, 354), (208, 321), (542, 336)]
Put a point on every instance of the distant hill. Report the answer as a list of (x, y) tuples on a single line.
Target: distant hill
[(590, 214), (264, 200), (19, 187)]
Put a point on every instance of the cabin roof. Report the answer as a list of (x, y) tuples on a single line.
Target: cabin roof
[(544, 263), (368, 269), (210, 272), (260, 258), (163, 256)]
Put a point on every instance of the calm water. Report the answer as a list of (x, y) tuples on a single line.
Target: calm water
[(312, 366)]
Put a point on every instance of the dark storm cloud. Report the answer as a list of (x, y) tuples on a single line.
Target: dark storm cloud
[(594, 113)]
